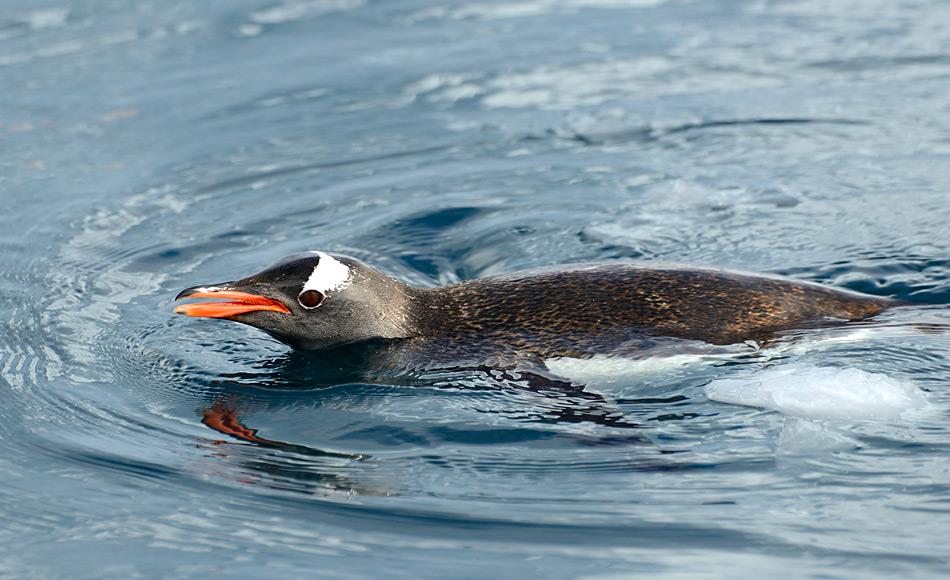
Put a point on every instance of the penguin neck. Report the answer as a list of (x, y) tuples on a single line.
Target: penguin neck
[(460, 309), (440, 310), (390, 310), (422, 308)]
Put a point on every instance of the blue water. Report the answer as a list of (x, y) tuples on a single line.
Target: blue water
[(148, 146)]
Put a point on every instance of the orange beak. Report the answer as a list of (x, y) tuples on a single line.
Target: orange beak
[(238, 303)]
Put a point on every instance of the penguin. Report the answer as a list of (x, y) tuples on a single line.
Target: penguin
[(324, 302)]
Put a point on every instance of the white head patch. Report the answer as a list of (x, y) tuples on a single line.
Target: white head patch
[(330, 274)]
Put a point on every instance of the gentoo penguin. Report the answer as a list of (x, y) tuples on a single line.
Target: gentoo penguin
[(318, 302)]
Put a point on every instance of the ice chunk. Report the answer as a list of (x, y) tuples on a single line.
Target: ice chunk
[(805, 436), (821, 393)]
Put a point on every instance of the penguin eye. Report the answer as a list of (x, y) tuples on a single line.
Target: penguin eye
[(310, 299)]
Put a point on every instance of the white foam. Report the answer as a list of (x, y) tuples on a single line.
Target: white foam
[(824, 339), (330, 274), (821, 393), (47, 18), (523, 8), (299, 9)]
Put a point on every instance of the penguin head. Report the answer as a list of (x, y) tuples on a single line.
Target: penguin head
[(311, 301)]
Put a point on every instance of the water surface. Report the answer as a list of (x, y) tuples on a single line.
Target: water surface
[(150, 146)]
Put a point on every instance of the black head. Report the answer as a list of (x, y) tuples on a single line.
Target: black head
[(311, 301)]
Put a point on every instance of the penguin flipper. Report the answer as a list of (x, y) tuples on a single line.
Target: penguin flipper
[(568, 402)]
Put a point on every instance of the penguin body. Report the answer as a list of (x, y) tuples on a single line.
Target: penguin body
[(323, 302)]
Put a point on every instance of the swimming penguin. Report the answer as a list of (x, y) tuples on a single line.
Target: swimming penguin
[(321, 302)]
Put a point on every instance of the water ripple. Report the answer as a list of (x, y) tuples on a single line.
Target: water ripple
[(443, 143)]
